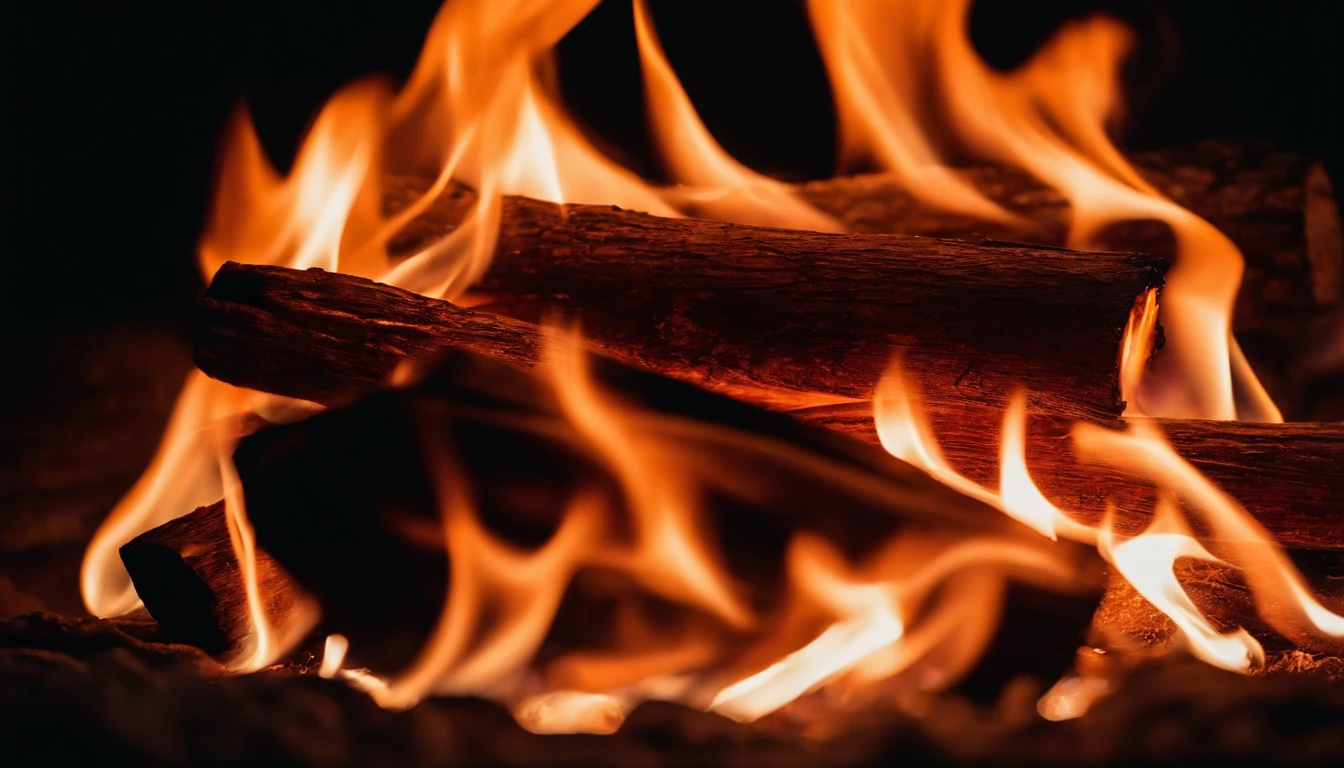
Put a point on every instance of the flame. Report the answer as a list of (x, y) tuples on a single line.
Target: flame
[(904, 431), (1147, 561), (728, 189), (869, 623), (905, 73), (877, 83), (671, 556), (1280, 594), (333, 655), (840, 624), (302, 219), (488, 575)]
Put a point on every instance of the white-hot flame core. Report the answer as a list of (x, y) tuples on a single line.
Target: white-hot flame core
[(868, 623), (1147, 562), (1276, 585), (333, 655)]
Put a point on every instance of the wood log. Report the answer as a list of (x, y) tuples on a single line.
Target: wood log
[(187, 575), (1277, 206), (728, 305), (346, 501), (1127, 623), (974, 321), (1290, 476), (325, 337)]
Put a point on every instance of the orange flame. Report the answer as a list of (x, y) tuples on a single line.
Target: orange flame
[(1146, 562), (727, 189), (1280, 594), (906, 72), (841, 624), (904, 431)]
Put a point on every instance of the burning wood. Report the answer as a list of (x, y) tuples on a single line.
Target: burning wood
[(359, 539), (691, 510), (1277, 206), (571, 535), (325, 337), (741, 308), (1288, 475), (975, 329), (186, 573)]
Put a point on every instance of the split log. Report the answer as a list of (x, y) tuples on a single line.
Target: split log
[(1277, 206), (1290, 476), (187, 575), (802, 326), (346, 501)]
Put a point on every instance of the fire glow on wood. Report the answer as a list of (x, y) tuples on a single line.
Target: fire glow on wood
[(574, 517)]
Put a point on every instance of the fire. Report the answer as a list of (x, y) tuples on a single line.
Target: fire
[(481, 109), (1147, 560), (1281, 596), (724, 188), (888, 60), (840, 623)]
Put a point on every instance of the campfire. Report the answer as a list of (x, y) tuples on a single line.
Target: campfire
[(985, 441)]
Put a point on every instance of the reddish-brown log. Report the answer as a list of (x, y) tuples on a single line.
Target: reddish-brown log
[(1290, 476), (326, 337), (804, 325)]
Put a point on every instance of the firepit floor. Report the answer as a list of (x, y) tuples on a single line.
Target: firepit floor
[(76, 690)]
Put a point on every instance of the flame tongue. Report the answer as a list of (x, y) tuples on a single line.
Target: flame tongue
[(1047, 118)]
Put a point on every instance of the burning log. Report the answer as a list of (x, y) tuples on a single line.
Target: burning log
[(1277, 206), (1290, 476), (326, 337), (186, 573), (1126, 622), (738, 307), (348, 501), (815, 321)]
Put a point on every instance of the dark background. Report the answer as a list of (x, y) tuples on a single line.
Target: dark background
[(113, 112)]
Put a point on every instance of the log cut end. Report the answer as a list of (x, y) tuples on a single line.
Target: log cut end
[(188, 577)]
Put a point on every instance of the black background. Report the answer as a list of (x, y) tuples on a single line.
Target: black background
[(113, 113)]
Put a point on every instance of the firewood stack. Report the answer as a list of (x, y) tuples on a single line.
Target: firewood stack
[(775, 335)]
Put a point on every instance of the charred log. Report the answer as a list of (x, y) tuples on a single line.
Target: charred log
[(348, 501)]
